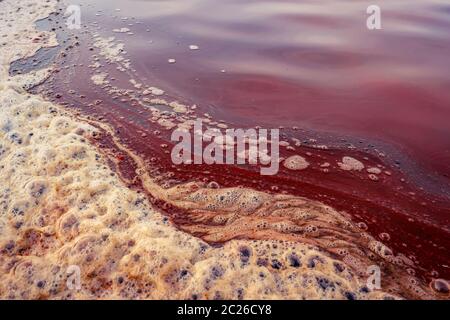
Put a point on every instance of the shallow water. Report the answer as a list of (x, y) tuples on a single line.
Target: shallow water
[(312, 65)]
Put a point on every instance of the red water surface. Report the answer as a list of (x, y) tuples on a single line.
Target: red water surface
[(309, 64), (302, 63)]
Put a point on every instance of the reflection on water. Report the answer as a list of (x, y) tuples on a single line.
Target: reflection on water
[(308, 63)]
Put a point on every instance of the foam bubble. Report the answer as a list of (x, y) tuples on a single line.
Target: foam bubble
[(296, 162), (65, 207), (349, 163)]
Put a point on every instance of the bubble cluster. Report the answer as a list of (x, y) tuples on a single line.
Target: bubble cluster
[(72, 211), (349, 163), (296, 163), (63, 209)]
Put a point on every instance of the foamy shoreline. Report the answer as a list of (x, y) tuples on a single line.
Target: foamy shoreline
[(62, 206)]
